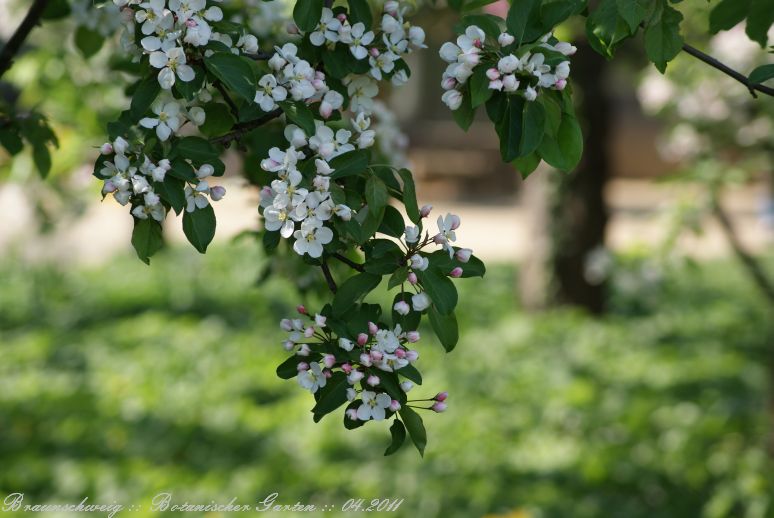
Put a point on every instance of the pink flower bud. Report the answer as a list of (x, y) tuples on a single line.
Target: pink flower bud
[(394, 405), (374, 52), (372, 329), (438, 239), (412, 278), (327, 374), (425, 210), (456, 272), (439, 407), (355, 376), (412, 336), (288, 345), (109, 187), (217, 193), (301, 309), (463, 254), (455, 221), (561, 84), (309, 332), (492, 74), (329, 360), (352, 414), (342, 17), (478, 43), (362, 339), (106, 149), (303, 366), (304, 350), (365, 360), (286, 324), (347, 368), (326, 110), (373, 380), (376, 356), (318, 84), (441, 396), (448, 83), (412, 356)]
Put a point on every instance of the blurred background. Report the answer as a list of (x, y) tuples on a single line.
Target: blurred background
[(616, 360)]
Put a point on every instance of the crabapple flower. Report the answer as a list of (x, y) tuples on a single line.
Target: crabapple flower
[(505, 39), (456, 272), (167, 119), (452, 99), (346, 344), (406, 386), (357, 38), (327, 29), (172, 63), (438, 407), (373, 380), (310, 240), (312, 379), (463, 254), (374, 405), (419, 263), (401, 308), (269, 93), (412, 234), (425, 210), (362, 91), (420, 301)]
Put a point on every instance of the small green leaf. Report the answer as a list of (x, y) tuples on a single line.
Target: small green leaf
[(415, 427), (410, 196), (479, 87), (398, 277), (728, 13), (172, 191), (307, 14), (410, 372), (376, 193), (218, 120), (533, 127), (289, 368), (146, 238), (300, 114), (332, 395), (352, 290), (360, 11), (662, 38), (88, 41), (463, 115), (565, 151), (759, 21), (633, 12), (398, 433), (523, 20), (445, 327), (349, 164), (762, 74), (42, 158), (143, 96), (199, 227), (440, 289), (392, 223), (10, 140), (235, 71)]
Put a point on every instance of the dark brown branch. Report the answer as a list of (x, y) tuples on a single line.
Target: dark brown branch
[(352, 264), (11, 48), (245, 127), (748, 261), (231, 105), (706, 58), (328, 277)]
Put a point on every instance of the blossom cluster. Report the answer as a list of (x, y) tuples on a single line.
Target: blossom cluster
[(130, 175), (294, 77), (523, 70), (360, 359)]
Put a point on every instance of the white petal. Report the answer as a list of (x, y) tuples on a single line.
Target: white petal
[(185, 73)]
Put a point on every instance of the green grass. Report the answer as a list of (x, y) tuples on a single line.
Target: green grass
[(124, 381)]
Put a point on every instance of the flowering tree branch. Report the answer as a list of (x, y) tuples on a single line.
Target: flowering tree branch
[(13, 45), (328, 277), (706, 58), (352, 264), (244, 127)]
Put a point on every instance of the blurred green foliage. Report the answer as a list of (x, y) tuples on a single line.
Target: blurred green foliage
[(123, 381)]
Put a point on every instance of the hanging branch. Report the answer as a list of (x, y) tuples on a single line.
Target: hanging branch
[(328, 277), (706, 58), (750, 263), (352, 264), (11, 48)]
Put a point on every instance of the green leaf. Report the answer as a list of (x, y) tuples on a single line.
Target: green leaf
[(440, 289), (172, 191), (565, 151), (554, 13), (199, 227), (409, 321), (289, 368), (146, 238), (56, 10), (398, 433), (605, 28), (523, 20), (353, 289), (463, 115), (349, 164), (445, 328), (728, 13), (398, 277), (526, 165), (42, 158), (88, 41), (10, 140), (488, 23), (533, 127), (336, 61), (218, 119), (360, 11), (143, 96), (497, 107), (415, 427), (332, 395), (662, 38), (392, 223), (762, 74), (759, 21), (235, 72), (633, 12), (410, 196), (307, 14), (479, 87), (410, 372), (199, 151), (300, 114), (375, 193)]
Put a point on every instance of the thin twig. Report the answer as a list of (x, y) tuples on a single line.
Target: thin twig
[(11, 48), (750, 263), (244, 127), (706, 58), (232, 106), (328, 277), (352, 264)]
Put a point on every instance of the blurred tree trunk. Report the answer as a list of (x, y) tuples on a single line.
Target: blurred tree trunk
[(574, 218)]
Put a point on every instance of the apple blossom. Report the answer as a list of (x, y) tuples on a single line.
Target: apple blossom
[(373, 406), (420, 301), (401, 308)]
